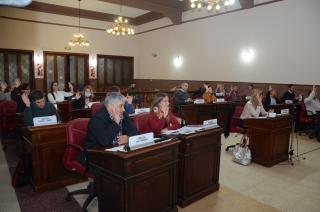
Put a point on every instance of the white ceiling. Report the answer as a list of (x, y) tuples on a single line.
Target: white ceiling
[(98, 6)]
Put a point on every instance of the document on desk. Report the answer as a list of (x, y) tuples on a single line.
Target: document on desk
[(185, 130), (116, 149)]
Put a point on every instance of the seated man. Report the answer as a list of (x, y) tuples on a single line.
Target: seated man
[(312, 106), (312, 103), (180, 97), (38, 108), (271, 98), (110, 125), (289, 97), (234, 94)]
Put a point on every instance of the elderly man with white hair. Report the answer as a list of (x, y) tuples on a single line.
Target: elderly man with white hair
[(111, 125)]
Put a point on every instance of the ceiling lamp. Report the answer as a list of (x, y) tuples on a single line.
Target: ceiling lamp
[(121, 26), (210, 4), (78, 38)]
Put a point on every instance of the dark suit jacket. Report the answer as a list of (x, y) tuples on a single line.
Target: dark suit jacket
[(102, 130), (268, 100)]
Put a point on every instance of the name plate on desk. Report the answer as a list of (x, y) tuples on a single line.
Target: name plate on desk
[(198, 101), (219, 94), (220, 99), (284, 111), (210, 122), (45, 120), (139, 141), (141, 110), (272, 115)]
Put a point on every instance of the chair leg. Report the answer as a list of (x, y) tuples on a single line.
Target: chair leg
[(88, 201), (81, 191), (231, 146)]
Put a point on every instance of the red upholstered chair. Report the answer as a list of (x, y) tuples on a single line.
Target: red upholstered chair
[(234, 128), (76, 132), (141, 122), (8, 111), (306, 123), (96, 107)]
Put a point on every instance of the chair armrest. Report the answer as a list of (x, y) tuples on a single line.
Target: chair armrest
[(83, 152)]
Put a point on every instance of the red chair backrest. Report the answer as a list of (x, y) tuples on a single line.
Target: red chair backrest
[(76, 133), (236, 116), (96, 107), (141, 122), (8, 111), (303, 114)]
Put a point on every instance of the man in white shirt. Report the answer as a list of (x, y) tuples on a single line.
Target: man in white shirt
[(312, 103)]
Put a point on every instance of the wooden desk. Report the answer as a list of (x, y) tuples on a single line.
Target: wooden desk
[(81, 113), (199, 165), (197, 113), (143, 180), (64, 109), (269, 139), (277, 108), (46, 145)]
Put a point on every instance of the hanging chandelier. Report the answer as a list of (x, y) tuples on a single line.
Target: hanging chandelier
[(210, 4), (121, 26), (78, 38)]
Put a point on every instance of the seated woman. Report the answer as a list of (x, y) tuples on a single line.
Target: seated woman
[(4, 92), (271, 98), (83, 100), (220, 90), (57, 94), (253, 108), (160, 119), (209, 96)]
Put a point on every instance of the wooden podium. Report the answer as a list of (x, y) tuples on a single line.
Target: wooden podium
[(197, 113), (46, 145), (142, 180), (199, 165), (269, 139)]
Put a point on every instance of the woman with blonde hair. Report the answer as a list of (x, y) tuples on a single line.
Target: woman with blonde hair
[(254, 107)]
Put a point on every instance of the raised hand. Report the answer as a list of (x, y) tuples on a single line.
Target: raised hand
[(26, 99)]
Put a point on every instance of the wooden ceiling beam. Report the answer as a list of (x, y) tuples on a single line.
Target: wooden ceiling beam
[(145, 18), (169, 8), (70, 11), (246, 4)]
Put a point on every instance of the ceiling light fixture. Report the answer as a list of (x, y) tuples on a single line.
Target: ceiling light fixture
[(211, 4), (78, 38), (121, 26)]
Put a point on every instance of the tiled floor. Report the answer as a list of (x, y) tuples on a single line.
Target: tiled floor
[(8, 198), (243, 188)]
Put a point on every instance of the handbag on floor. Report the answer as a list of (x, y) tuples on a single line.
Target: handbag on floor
[(242, 153), (22, 173)]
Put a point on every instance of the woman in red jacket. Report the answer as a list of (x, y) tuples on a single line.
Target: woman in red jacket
[(160, 119)]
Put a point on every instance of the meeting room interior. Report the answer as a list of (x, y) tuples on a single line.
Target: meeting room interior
[(159, 105)]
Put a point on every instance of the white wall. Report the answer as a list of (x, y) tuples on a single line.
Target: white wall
[(16, 34), (285, 36)]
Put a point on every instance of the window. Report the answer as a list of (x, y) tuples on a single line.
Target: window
[(114, 70), (16, 63), (64, 68)]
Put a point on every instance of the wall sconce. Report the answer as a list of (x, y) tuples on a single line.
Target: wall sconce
[(247, 55), (177, 61)]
